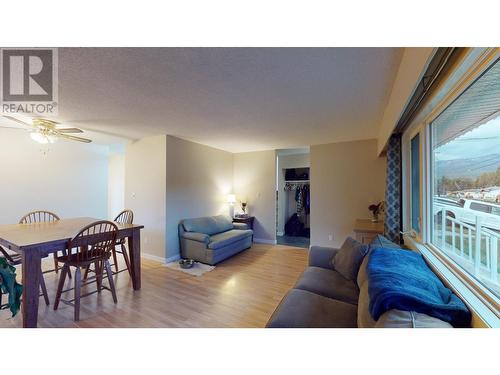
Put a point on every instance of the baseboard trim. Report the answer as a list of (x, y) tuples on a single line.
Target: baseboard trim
[(154, 257), (266, 241), (173, 258)]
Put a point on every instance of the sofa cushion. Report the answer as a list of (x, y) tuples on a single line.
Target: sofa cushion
[(381, 241), (349, 258), (320, 256), (328, 283), (208, 225), (224, 223), (303, 309), (362, 277), (216, 255), (195, 236), (394, 318), (378, 241), (409, 319), (240, 226), (226, 238), (365, 320)]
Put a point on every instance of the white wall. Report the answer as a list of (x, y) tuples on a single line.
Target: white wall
[(70, 179), (287, 161), (199, 178), (255, 181), (116, 184), (145, 186), (412, 66), (345, 179)]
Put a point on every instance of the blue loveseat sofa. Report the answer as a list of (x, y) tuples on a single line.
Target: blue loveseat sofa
[(212, 239)]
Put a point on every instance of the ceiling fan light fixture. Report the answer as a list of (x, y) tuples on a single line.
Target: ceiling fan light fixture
[(42, 138), (45, 131)]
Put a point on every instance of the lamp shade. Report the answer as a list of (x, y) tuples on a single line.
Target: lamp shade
[(231, 198)]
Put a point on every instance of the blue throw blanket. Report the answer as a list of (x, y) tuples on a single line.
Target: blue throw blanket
[(400, 279)]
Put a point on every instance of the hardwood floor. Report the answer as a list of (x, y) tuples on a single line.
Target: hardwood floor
[(242, 291)]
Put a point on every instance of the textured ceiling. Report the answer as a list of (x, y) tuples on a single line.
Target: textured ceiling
[(236, 99)]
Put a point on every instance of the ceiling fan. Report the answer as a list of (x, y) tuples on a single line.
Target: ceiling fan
[(47, 131)]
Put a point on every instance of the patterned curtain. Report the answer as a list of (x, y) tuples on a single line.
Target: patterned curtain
[(393, 197)]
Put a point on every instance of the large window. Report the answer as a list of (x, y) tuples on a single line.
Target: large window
[(465, 180)]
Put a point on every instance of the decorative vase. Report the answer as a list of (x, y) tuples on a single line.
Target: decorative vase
[(374, 217)]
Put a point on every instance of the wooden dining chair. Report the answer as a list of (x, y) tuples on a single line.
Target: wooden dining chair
[(14, 260), (124, 217), (92, 245), (42, 217)]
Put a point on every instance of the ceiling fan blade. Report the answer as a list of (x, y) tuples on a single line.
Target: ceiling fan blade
[(12, 127), (18, 121), (69, 130), (73, 138)]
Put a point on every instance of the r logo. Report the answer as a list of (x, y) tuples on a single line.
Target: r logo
[(27, 75)]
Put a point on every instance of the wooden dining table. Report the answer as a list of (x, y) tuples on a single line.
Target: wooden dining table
[(37, 240)]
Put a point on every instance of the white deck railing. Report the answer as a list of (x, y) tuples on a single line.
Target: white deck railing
[(475, 246)]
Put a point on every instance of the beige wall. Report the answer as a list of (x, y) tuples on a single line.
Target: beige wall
[(175, 179), (198, 181), (411, 68), (345, 179), (284, 162), (145, 186), (116, 184), (255, 181), (69, 179)]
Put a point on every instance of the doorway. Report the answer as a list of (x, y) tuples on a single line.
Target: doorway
[(293, 197)]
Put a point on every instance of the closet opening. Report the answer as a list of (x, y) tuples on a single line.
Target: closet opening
[(293, 198)]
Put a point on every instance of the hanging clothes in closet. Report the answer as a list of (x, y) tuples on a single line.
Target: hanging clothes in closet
[(303, 199), (299, 199), (302, 196), (297, 217)]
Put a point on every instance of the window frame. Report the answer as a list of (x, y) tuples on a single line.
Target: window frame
[(482, 302), (411, 133), (417, 137)]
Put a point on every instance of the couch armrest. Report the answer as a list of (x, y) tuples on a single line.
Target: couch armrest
[(198, 237), (320, 256), (241, 226)]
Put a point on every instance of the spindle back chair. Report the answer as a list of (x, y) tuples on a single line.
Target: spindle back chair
[(124, 217), (42, 216), (39, 217), (92, 245)]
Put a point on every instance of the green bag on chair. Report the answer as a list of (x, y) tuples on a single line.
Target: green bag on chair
[(9, 285)]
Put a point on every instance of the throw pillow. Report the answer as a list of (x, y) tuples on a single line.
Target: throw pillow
[(349, 258)]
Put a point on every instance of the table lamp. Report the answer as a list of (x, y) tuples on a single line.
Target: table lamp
[(231, 199)]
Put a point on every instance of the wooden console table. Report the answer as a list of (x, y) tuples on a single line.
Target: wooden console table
[(366, 230)]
